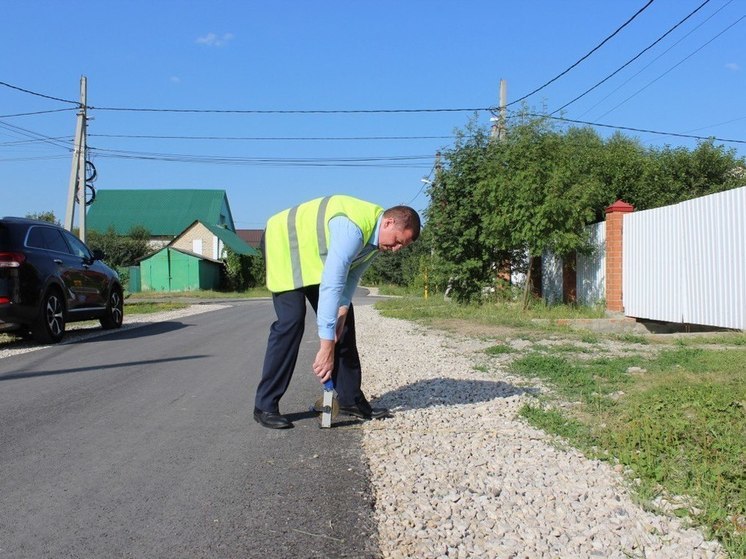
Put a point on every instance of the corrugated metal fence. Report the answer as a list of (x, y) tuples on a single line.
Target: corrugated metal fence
[(590, 280), (687, 262)]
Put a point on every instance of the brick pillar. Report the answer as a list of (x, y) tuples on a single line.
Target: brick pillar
[(614, 256)]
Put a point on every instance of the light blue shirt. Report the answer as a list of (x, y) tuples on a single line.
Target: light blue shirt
[(343, 269)]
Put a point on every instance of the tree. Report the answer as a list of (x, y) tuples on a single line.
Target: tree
[(121, 251), (455, 216), (49, 217), (402, 268), (497, 201), (243, 271)]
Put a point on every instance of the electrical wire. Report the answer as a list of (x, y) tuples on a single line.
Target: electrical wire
[(39, 94), (371, 161), (674, 66), (714, 125), (38, 112), (633, 76), (272, 138), (32, 141), (594, 49), (631, 129), (631, 60), (290, 111), (34, 135)]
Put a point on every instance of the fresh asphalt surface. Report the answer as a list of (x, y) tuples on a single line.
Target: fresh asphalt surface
[(141, 443)]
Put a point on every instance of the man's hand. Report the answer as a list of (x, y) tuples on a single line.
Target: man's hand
[(324, 362)]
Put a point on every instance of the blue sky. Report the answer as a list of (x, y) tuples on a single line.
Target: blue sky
[(383, 55)]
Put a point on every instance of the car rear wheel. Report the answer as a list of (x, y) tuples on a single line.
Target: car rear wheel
[(114, 311), (50, 326)]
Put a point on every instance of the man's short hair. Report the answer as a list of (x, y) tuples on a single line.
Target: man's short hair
[(406, 218)]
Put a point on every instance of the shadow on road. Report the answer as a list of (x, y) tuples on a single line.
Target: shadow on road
[(31, 374), (132, 332)]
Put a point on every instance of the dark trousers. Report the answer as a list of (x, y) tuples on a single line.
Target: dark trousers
[(282, 351)]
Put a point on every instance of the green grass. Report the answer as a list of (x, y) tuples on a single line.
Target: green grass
[(499, 349), (680, 427), (504, 314), (146, 307), (201, 294)]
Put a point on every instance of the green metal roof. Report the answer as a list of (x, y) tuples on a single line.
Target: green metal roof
[(163, 212), (231, 240)]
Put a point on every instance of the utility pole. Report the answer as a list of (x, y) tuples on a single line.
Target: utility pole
[(77, 184), (498, 122), (503, 110)]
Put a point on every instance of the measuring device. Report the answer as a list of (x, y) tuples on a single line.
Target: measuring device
[(328, 405)]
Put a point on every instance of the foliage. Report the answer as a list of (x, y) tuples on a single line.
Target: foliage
[(403, 267), (456, 216), (495, 205), (120, 251), (49, 217), (243, 271), (538, 318)]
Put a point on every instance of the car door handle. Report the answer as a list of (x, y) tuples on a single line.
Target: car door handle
[(57, 261)]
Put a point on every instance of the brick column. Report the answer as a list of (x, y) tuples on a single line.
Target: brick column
[(614, 256)]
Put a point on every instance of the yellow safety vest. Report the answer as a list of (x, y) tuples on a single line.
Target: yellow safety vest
[(295, 241)]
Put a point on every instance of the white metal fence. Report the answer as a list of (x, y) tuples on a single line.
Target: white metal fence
[(590, 281), (687, 262)]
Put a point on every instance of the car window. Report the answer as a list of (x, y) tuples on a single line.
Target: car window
[(47, 238), (53, 239), (77, 246), (35, 238)]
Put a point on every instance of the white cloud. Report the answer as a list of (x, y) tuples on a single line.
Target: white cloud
[(213, 40), (732, 66), (174, 79)]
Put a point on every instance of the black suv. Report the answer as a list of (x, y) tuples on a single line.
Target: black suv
[(49, 277)]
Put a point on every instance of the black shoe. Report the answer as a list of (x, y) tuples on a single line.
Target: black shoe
[(362, 409), (271, 419)]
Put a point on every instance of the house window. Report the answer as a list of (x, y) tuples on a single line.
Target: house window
[(197, 246)]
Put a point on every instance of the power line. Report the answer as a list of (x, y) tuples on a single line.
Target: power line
[(271, 138), (38, 112), (594, 49), (629, 128), (250, 111), (715, 125), (369, 161), (674, 66), (33, 135), (39, 94), (633, 76), (32, 141), (290, 111), (631, 60)]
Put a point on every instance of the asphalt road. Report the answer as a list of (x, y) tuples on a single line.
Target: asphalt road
[(141, 443)]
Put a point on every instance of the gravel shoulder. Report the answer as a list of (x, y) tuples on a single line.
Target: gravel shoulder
[(456, 472)]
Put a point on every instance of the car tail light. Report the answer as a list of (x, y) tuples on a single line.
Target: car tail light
[(11, 259)]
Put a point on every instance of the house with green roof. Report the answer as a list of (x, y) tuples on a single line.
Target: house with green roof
[(189, 229), (165, 213), (210, 241)]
